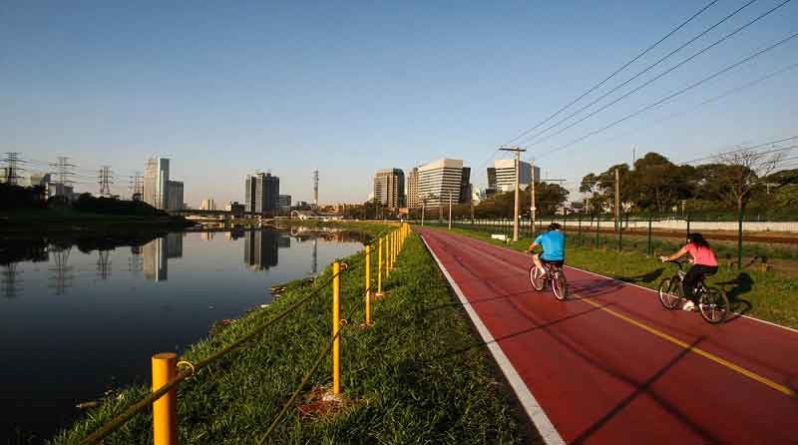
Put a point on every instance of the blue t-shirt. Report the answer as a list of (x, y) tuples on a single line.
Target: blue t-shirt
[(553, 244)]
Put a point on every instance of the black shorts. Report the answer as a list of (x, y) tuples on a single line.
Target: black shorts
[(558, 263)]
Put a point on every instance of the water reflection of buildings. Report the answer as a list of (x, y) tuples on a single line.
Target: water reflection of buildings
[(261, 248), (157, 253)]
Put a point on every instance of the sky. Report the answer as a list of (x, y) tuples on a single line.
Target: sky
[(225, 89)]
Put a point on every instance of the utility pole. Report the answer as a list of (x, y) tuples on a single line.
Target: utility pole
[(315, 189), (63, 170), (450, 210), (136, 187), (617, 199), (516, 186), (532, 208), (423, 210)]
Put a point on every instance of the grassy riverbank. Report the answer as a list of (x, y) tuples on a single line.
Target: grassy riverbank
[(47, 221), (419, 375), (770, 295)]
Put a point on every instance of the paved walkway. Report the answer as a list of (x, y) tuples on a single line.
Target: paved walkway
[(612, 366)]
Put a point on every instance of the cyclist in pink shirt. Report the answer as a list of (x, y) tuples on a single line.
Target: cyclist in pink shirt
[(704, 263)]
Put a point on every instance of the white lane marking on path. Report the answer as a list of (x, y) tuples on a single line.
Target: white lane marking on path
[(533, 409)]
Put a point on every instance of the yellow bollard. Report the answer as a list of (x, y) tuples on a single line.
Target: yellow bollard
[(336, 326), (368, 285), (164, 410), (379, 269)]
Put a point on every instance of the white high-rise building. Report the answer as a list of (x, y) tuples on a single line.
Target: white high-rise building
[(439, 180), (156, 183), (501, 177)]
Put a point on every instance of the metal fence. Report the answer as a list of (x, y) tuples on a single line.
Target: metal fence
[(748, 239)]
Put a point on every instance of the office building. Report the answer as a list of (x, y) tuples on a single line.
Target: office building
[(412, 189), (501, 177), (156, 183), (174, 190), (389, 188), (208, 204), (262, 193), (439, 180), (284, 203)]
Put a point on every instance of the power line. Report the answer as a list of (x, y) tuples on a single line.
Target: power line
[(673, 95), (648, 68), (741, 149), (723, 95), (598, 85), (655, 78)]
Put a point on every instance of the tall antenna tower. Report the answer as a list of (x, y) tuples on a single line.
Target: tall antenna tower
[(12, 171), (315, 188), (105, 177)]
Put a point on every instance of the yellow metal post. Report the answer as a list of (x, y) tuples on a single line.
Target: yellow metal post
[(368, 285), (379, 269), (336, 326), (164, 410), (387, 255)]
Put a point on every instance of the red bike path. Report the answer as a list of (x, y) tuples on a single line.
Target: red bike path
[(610, 365)]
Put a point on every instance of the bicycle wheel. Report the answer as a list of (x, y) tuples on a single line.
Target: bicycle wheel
[(559, 285), (713, 305), (538, 279), (670, 293)]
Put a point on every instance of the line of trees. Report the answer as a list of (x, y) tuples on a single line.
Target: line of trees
[(737, 181)]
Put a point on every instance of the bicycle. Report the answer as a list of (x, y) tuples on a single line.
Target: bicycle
[(554, 276), (713, 304)]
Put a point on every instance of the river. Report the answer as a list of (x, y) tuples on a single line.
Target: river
[(82, 316)]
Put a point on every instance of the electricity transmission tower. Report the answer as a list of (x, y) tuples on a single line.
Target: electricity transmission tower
[(12, 170), (136, 186), (63, 170), (105, 177)]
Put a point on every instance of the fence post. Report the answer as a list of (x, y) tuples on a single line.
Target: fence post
[(650, 247), (740, 240), (620, 234), (688, 226), (368, 285), (598, 222), (579, 229), (336, 326), (164, 410), (379, 268)]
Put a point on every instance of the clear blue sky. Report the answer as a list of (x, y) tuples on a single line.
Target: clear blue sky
[(227, 88)]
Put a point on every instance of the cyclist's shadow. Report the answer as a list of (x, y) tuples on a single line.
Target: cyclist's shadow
[(743, 284), (648, 277)]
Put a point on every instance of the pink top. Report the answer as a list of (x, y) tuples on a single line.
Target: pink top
[(702, 255)]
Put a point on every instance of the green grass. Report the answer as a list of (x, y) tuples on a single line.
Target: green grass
[(419, 375), (771, 295)]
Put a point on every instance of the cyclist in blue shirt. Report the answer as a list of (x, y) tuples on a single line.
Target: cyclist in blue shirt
[(553, 244)]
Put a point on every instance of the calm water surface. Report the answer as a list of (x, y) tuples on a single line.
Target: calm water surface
[(77, 320)]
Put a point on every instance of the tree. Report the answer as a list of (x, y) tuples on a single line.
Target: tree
[(658, 184), (742, 169)]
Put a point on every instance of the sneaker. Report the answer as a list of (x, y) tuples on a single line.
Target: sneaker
[(688, 306)]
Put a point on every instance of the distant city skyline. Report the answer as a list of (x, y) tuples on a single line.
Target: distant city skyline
[(302, 86)]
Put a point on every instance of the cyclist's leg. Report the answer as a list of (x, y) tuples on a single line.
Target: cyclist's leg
[(690, 281), (538, 262)]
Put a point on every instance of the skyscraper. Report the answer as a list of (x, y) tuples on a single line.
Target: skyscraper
[(412, 189), (501, 177), (262, 193), (389, 188), (175, 193), (438, 180), (156, 183)]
